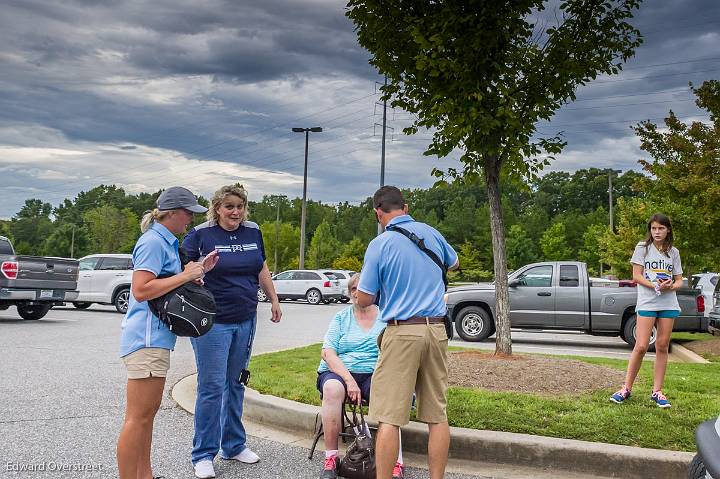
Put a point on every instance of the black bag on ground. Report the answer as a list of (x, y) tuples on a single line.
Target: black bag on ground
[(188, 310), (359, 460)]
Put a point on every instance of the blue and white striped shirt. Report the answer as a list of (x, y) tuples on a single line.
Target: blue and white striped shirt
[(355, 347)]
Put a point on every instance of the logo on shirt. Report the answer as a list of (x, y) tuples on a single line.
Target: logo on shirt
[(234, 248)]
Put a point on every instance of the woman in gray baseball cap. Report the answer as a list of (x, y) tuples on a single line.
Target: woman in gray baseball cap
[(146, 342)]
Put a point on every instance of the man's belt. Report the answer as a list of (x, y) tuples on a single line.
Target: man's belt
[(417, 320)]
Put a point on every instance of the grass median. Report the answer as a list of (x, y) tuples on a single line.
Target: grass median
[(692, 388)]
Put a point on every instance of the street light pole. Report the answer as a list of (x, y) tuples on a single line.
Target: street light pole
[(610, 198), (277, 235), (307, 131), (382, 154)]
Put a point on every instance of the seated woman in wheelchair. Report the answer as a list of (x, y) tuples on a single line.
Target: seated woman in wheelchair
[(349, 355)]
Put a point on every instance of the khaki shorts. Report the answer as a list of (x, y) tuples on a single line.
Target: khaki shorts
[(413, 358), (147, 362)]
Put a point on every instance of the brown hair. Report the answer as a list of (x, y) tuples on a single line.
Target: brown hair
[(219, 197), (667, 244), (388, 198)]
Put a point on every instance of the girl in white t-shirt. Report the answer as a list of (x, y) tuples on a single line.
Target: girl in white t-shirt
[(657, 270)]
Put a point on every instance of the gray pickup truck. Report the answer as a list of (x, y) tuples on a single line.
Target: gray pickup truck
[(560, 296), (34, 284)]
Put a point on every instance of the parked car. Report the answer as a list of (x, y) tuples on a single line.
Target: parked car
[(714, 318), (706, 463), (34, 284), (560, 295), (706, 283), (104, 279), (315, 286), (343, 275)]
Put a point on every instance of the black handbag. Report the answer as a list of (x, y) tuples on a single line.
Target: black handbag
[(359, 459), (188, 310)]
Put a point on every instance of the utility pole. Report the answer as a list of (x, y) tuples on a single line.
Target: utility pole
[(277, 235), (307, 131), (382, 152), (72, 242), (610, 198)]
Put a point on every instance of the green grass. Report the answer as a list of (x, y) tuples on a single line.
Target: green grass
[(692, 388), (686, 337)]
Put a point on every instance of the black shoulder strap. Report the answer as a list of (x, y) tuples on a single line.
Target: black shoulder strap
[(420, 243)]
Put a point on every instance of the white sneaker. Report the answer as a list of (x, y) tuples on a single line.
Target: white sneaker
[(204, 469), (246, 456)]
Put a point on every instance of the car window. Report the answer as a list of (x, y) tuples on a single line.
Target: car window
[(284, 276), (332, 276), (308, 275), (5, 247), (537, 277), (694, 280), (113, 264), (714, 280), (335, 274), (569, 276), (88, 264)]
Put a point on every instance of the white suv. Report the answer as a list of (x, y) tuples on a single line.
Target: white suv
[(315, 286), (706, 283), (105, 279), (343, 275)]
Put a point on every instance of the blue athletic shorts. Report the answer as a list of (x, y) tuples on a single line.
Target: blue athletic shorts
[(362, 379), (667, 313)]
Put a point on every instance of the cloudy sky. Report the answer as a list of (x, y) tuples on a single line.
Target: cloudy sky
[(149, 94)]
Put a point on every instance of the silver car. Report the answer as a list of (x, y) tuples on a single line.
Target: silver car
[(314, 286), (343, 275)]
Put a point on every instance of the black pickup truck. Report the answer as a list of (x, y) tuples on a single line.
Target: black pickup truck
[(34, 284)]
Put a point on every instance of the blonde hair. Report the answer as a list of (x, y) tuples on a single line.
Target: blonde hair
[(220, 195), (151, 217)]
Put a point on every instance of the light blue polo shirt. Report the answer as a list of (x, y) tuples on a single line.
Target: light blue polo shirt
[(410, 283), (157, 252), (356, 348)]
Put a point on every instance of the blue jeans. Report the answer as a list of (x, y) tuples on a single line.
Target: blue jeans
[(220, 356)]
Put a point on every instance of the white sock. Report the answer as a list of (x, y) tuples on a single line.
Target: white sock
[(330, 453), (400, 459)]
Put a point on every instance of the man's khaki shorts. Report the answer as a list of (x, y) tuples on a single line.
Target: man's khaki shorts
[(147, 362), (413, 358)]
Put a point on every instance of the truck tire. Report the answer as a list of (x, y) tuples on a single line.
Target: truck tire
[(697, 468), (122, 300), (313, 296), (629, 333), (82, 305), (474, 324), (32, 313), (262, 297)]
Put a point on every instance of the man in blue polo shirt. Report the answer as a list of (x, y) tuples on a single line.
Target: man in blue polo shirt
[(413, 347)]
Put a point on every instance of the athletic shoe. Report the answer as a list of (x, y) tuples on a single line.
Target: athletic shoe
[(398, 471), (204, 469), (330, 467), (620, 396), (659, 398), (246, 456)]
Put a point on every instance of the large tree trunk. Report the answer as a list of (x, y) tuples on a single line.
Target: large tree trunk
[(503, 342)]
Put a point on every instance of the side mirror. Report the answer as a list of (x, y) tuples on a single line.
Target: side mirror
[(514, 283)]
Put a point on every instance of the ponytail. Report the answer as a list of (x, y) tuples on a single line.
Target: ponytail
[(150, 217)]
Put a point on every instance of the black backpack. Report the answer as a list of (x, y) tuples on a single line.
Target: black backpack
[(188, 310)]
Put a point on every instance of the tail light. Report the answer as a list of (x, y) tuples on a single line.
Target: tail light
[(9, 269), (326, 284), (627, 283), (700, 300)]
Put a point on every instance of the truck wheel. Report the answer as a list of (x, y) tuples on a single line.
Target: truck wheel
[(122, 300), (473, 324), (32, 313), (697, 468), (313, 296), (82, 305), (629, 333), (262, 297)]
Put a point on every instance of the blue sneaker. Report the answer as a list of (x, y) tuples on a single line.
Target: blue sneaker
[(659, 398), (620, 396)]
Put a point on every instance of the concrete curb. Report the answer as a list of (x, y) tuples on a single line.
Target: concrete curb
[(569, 455), (687, 355)]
